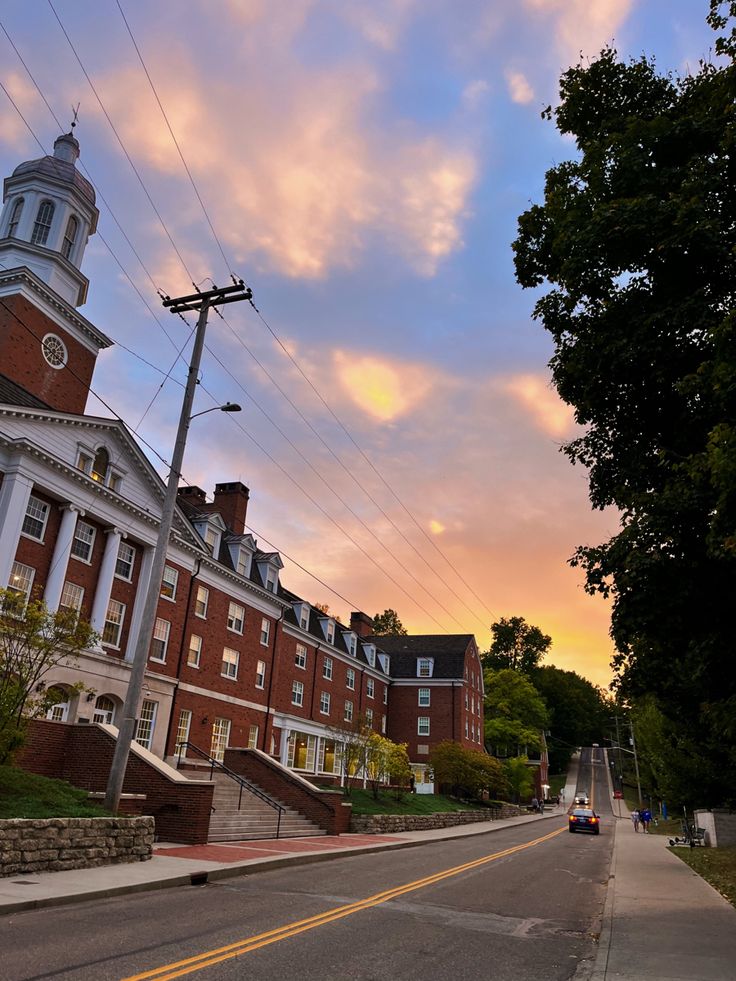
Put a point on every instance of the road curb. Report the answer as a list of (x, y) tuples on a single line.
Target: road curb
[(232, 871)]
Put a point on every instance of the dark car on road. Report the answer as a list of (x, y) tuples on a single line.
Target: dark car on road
[(584, 819)]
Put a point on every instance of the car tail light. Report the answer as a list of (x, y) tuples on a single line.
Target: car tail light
[(594, 820)]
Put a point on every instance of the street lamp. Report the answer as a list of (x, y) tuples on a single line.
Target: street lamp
[(227, 407)]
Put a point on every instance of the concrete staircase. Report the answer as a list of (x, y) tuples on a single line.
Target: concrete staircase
[(255, 819)]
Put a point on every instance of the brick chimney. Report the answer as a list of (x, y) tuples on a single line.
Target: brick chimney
[(361, 623), (231, 500), (194, 495)]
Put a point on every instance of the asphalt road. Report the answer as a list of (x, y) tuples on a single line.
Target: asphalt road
[(520, 903)]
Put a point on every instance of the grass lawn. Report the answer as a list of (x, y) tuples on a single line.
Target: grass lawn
[(716, 865), (363, 803), (26, 795)]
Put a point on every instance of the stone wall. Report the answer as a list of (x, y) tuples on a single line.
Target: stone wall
[(379, 824), (720, 827), (58, 844)]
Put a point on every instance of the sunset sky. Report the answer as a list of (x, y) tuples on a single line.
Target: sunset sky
[(363, 165)]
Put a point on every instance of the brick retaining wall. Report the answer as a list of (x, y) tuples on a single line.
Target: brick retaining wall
[(379, 824), (58, 844)]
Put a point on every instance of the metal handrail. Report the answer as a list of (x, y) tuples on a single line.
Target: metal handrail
[(244, 784)]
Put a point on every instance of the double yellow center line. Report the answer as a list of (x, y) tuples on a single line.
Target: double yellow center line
[(208, 958)]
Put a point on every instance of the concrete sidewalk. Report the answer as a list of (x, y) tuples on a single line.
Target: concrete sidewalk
[(661, 921)]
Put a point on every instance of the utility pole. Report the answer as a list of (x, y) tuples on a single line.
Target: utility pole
[(636, 762), (620, 758), (201, 302)]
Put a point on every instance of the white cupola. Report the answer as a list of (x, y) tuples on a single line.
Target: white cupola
[(48, 216)]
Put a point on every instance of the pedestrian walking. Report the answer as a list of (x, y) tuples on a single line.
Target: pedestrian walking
[(541, 806), (646, 817), (635, 819), (535, 804)]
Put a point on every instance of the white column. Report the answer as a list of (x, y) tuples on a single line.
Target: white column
[(14, 494), (60, 560), (144, 583), (104, 579)]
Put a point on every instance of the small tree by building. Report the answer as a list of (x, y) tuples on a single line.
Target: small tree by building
[(33, 640), (466, 771), (353, 737), (386, 762), (519, 776)]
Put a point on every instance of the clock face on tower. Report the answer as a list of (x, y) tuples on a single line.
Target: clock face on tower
[(54, 350)]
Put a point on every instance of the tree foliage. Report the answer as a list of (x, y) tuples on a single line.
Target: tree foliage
[(519, 778), (466, 771), (578, 712), (386, 762), (636, 242), (33, 640), (388, 623), (515, 711), (517, 645)]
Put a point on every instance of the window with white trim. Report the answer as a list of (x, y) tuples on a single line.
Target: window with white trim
[(71, 597), (220, 739), (182, 728), (235, 617), (54, 351), (146, 723), (34, 522), (253, 737), (70, 236), (201, 602), (348, 716), (297, 693), (300, 658), (467, 701), (304, 616), (125, 560), (243, 563), (104, 711), (385, 694), (15, 217), (59, 711), (369, 718), (230, 659), (169, 582), (84, 539), (42, 224), (160, 640), (424, 667), (21, 579), (113, 623), (265, 631), (370, 687), (330, 632), (260, 674), (327, 669), (383, 725), (424, 696), (324, 702), (194, 654), (211, 538), (466, 728), (350, 679), (423, 725)]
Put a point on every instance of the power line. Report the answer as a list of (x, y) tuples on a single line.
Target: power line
[(297, 366), (344, 531)]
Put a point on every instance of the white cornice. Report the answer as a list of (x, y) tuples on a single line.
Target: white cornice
[(22, 280)]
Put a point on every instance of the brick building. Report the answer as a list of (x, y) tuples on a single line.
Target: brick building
[(236, 658)]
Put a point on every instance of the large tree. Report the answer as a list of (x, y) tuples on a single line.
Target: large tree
[(579, 712), (515, 711), (636, 242), (388, 623), (516, 644)]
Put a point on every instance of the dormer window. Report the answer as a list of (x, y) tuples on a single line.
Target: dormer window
[(425, 667), (243, 562), (100, 465), (385, 662), (70, 237), (268, 567), (15, 217), (351, 642), (42, 224), (301, 612), (370, 653), (330, 631), (211, 538)]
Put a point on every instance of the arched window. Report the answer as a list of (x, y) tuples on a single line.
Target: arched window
[(43, 223), (70, 237), (100, 465), (59, 711), (104, 710), (15, 217)]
